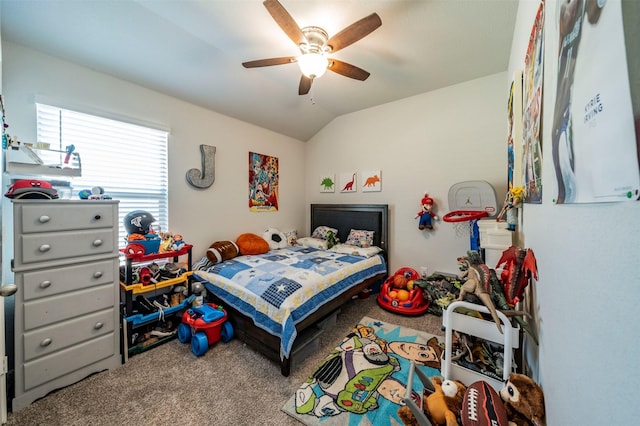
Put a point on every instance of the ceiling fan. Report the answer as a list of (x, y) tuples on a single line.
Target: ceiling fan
[(315, 45)]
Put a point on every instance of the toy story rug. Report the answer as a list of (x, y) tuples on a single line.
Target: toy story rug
[(363, 380)]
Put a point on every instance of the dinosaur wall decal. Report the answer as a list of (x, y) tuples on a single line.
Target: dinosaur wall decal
[(327, 183), (348, 187)]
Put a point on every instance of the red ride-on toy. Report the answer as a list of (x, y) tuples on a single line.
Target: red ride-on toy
[(203, 326), (399, 295)]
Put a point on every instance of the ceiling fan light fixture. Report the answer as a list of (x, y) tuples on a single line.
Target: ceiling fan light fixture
[(313, 65)]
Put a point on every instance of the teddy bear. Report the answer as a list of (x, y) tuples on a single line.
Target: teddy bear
[(523, 400), (442, 407)]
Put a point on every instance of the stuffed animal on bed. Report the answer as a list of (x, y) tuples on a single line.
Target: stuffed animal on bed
[(523, 400), (222, 250), (275, 238), (250, 244)]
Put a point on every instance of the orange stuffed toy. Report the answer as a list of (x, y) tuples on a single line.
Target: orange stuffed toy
[(442, 407)]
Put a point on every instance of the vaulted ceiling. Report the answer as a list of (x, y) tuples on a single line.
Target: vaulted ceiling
[(193, 50)]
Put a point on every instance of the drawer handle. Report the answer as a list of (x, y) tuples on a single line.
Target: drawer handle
[(46, 342), (44, 219), (97, 243), (97, 274), (45, 284), (98, 325), (97, 217), (44, 248)]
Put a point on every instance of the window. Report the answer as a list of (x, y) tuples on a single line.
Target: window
[(127, 160)]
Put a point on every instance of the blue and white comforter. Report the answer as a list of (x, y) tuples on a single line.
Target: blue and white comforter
[(282, 287)]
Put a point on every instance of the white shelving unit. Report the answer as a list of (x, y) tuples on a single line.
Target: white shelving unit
[(22, 160), (484, 329)]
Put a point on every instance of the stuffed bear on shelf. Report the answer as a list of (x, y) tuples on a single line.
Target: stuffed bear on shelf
[(523, 400), (442, 407)]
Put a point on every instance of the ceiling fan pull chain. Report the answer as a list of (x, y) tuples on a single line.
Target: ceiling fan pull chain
[(312, 98)]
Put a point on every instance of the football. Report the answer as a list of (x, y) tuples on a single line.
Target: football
[(482, 406)]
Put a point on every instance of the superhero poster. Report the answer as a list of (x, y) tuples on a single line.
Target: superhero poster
[(263, 183), (532, 104)]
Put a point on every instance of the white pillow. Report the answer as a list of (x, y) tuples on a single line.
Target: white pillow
[(315, 243), (355, 250)]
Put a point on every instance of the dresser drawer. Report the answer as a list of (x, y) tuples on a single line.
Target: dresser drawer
[(50, 339), (52, 366), (48, 282), (41, 312), (64, 245), (65, 216)]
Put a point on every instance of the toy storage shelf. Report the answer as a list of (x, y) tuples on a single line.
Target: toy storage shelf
[(484, 329), (131, 321), (22, 160)]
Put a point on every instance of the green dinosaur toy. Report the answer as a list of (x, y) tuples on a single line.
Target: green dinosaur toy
[(331, 239)]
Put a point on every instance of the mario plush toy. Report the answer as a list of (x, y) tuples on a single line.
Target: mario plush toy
[(426, 215)]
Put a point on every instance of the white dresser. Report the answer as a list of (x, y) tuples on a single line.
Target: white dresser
[(66, 308)]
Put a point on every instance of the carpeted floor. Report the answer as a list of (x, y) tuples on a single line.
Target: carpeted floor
[(230, 385)]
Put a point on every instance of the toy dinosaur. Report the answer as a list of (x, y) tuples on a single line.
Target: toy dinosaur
[(331, 239), (477, 282), (500, 302), (496, 292), (520, 266)]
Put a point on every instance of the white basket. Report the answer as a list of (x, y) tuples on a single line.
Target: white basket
[(494, 234)]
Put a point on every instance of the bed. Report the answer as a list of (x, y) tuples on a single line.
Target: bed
[(279, 330)]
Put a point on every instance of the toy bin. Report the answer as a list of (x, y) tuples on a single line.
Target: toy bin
[(495, 238), (204, 325), (406, 301), (151, 245)]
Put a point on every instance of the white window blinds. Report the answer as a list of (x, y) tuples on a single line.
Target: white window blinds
[(127, 160)]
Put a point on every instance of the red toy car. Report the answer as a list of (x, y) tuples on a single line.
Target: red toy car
[(408, 300), (203, 326)]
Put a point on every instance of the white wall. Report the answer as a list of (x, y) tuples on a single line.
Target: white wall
[(202, 216), (426, 142), (588, 293)]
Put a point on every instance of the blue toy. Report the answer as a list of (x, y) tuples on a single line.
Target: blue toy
[(204, 325)]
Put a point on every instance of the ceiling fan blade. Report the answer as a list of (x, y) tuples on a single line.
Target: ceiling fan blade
[(305, 85), (285, 21), (348, 70), (354, 32), (269, 62)]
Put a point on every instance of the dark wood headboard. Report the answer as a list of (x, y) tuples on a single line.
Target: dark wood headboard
[(344, 217)]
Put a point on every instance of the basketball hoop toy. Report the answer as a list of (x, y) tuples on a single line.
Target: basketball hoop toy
[(470, 201), (458, 217), (464, 215)]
